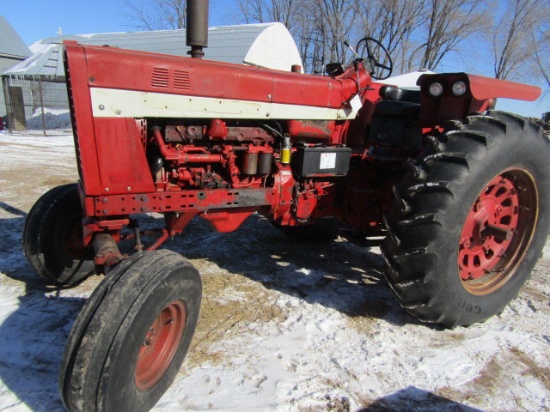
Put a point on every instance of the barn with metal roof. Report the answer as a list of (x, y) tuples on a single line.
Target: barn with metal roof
[(268, 45), (12, 51)]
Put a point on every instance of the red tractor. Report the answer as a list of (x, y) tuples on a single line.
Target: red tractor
[(460, 193)]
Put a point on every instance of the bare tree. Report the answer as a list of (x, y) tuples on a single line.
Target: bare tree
[(334, 20), (310, 38), (448, 24), (318, 26), (514, 43), (158, 14), (255, 11), (417, 33), (299, 17), (396, 24), (542, 54), (288, 12), (261, 11)]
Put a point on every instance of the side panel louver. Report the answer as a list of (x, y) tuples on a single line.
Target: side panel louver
[(182, 80), (164, 78), (160, 77)]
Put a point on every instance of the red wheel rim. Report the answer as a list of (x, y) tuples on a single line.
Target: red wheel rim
[(160, 345), (74, 244), (497, 231)]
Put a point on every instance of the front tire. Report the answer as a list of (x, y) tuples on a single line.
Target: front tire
[(132, 335), (52, 237), (469, 221)]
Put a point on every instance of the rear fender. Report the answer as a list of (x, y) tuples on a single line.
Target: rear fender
[(480, 95)]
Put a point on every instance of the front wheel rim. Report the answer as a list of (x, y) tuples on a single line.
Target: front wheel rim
[(498, 231), (73, 239), (160, 345)]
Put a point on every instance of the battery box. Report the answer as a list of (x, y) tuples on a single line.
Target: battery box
[(321, 161)]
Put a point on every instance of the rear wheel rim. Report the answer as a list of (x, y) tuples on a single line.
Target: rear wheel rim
[(160, 345), (497, 231)]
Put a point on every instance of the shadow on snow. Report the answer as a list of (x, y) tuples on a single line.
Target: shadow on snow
[(33, 335), (337, 274), (415, 399)]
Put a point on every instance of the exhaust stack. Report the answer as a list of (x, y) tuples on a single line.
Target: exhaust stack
[(197, 27)]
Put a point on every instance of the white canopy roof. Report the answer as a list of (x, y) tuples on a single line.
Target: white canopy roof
[(407, 80)]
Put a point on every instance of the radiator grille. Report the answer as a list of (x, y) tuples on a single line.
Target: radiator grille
[(73, 116)]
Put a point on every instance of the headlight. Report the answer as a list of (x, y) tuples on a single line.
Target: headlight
[(436, 89), (459, 88)]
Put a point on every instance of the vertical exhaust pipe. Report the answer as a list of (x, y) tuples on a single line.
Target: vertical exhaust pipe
[(197, 27)]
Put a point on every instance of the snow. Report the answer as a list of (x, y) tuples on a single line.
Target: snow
[(284, 326), (55, 119)]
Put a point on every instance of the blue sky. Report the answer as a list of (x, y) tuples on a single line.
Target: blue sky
[(37, 19)]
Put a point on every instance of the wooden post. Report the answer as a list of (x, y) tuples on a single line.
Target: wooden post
[(42, 105)]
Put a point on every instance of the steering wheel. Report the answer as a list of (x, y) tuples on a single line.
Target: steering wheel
[(376, 56)]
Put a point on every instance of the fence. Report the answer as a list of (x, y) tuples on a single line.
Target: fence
[(35, 104)]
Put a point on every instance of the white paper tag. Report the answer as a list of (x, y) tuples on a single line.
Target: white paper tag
[(328, 161), (356, 104)]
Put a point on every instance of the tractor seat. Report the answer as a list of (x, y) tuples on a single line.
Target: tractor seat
[(396, 118), (398, 94)]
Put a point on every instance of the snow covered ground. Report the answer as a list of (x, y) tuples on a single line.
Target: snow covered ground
[(284, 326), (53, 118)]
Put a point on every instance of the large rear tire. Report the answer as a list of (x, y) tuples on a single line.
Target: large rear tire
[(52, 237), (469, 221), (132, 335)]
